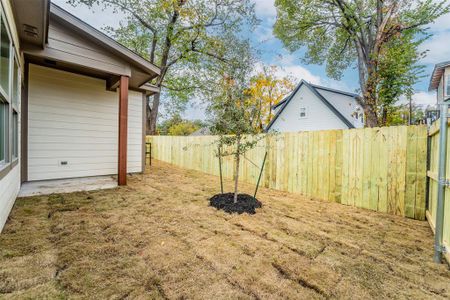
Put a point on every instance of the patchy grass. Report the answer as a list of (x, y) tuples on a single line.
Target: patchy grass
[(158, 238)]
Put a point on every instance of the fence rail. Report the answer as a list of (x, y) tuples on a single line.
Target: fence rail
[(382, 169)]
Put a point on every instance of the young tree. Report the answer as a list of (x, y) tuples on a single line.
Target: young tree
[(266, 90), (233, 116), (341, 32), (184, 38)]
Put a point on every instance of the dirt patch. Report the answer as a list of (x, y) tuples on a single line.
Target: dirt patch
[(245, 203), (157, 238)]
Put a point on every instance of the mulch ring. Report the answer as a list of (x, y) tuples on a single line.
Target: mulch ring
[(245, 203)]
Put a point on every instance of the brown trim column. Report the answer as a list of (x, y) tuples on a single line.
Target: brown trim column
[(123, 131)]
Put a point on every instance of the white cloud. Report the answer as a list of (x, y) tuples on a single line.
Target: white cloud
[(424, 98), (264, 33), (438, 48), (265, 8), (421, 98), (195, 111), (95, 16), (288, 67), (299, 73), (441, 24)]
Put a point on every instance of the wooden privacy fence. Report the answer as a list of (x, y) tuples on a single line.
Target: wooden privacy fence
[(433, 184), (382, 169)]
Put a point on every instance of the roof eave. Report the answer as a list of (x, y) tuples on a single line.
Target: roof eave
[(436, 75), (286, 102), (97, 35), (315, 92)]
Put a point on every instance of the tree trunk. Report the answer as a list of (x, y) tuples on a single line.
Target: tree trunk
[(236, 177), (149, 111), (371, 116), (152, 118), (369, 91)]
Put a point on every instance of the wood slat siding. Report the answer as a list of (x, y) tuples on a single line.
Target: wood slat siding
[(73, 118), (65, 45), (382, 169), (434, 135)]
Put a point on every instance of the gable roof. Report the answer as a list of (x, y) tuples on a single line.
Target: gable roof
[(34, 22), (106, 41), (437, 74), (314, 89)]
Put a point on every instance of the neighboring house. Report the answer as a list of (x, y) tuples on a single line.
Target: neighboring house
[(201, 131), (72, 100), (440, 81), (311, 107)]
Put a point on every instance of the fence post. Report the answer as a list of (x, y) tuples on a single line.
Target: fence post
[(220, 169), (441, 184)]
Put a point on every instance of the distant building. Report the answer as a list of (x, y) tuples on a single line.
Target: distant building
[(440, 81), (311, 107), (201, 131)]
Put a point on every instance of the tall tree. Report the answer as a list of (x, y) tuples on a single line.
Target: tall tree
[(183, 37), (342, 32), (267, 89), (233, 117)]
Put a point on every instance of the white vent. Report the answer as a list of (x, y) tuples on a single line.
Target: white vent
[(30, 30)]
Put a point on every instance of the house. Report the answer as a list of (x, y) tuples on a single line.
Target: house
[(72, 100), (440, 81), (201, 131), (312, 107)]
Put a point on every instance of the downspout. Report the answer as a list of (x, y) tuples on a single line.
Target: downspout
[(442, 183)]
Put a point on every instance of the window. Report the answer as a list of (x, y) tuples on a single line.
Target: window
[(4, 114), (10, 85), (302, 112), (15, 85), (5, 56), (15, 94), (15, 137)]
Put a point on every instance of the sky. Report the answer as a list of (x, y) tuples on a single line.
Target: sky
[(273, 52)]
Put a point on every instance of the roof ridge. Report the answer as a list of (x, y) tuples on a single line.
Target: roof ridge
[(334, 90), (321, 98)]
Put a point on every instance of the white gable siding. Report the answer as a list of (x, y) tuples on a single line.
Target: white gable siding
[(346, 105), (68, 46), (319, 116), (73, 118)]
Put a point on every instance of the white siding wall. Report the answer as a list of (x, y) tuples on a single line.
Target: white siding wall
[(73, 118), (68, 46), (440, 90), (319, 116), (346, 105), (9, 188), (10, 184)]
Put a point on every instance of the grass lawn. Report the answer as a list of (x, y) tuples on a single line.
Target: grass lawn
[(158, 238)]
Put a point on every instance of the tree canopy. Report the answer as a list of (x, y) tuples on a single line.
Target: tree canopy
[(265, 90), (185, 38), (379, 37)]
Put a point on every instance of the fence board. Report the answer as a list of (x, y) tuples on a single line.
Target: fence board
[(432, 173), (382, 169)]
